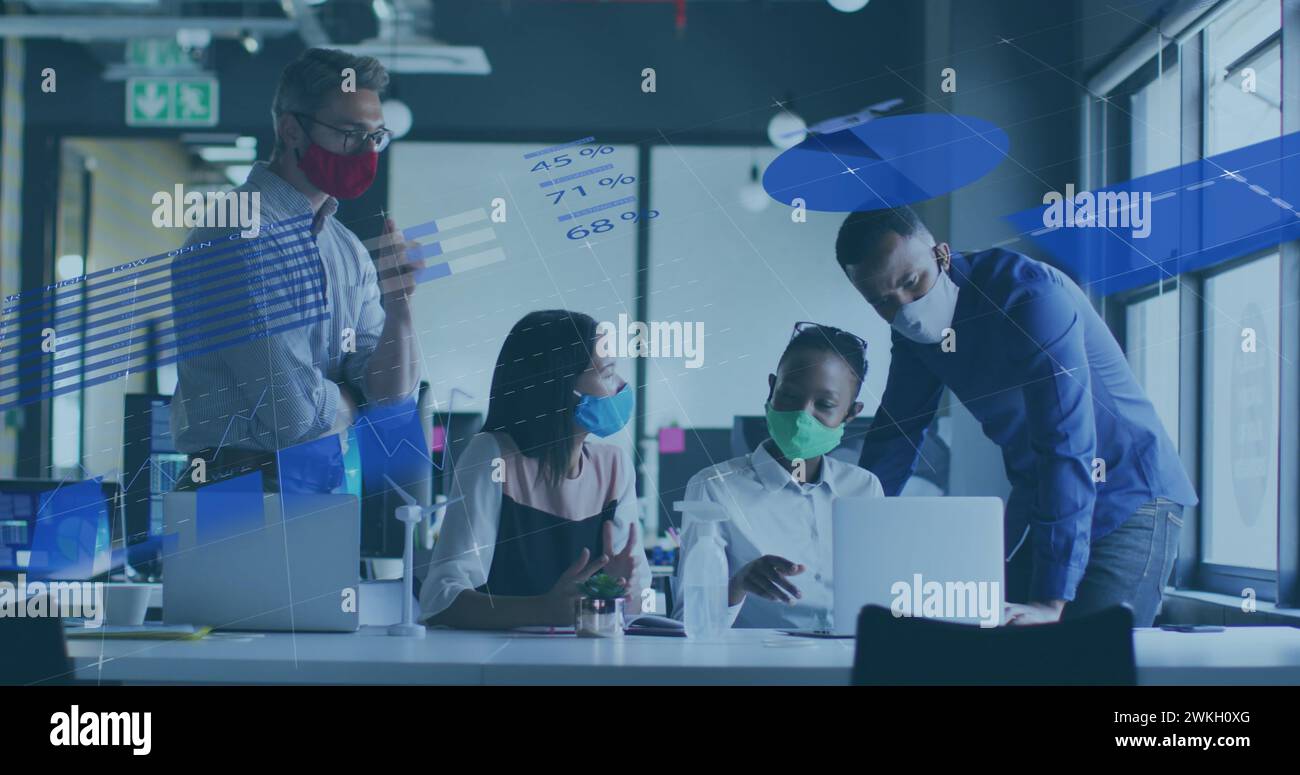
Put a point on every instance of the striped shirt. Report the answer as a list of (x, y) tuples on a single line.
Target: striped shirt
[(281, 386)]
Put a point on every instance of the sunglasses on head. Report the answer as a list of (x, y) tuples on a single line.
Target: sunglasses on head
[(832, 333)]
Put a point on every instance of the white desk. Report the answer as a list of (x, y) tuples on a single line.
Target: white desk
[(748, 657), (1247, 655), (1236, 656)]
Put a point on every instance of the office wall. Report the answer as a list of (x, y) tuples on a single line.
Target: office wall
[(747, 277), (1029, 86), (461, 320), (126, 174)]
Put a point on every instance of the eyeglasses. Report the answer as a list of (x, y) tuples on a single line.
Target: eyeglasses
[(832, 333), (354, 139)]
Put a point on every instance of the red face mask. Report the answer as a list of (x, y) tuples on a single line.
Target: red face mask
[(340, 176)]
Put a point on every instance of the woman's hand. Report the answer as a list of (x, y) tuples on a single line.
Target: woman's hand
[(625, 565), (557, 605), (766, 577)]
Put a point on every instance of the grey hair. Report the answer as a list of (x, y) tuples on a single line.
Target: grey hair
[(307, 81)]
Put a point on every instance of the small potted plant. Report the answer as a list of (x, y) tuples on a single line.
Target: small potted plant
[(600, 610)]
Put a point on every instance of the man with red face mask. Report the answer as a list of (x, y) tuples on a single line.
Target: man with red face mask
[(333, 326)]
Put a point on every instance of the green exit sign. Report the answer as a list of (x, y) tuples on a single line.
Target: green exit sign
[(181, 102)]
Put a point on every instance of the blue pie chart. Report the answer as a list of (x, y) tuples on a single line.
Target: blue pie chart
[(886, 163)]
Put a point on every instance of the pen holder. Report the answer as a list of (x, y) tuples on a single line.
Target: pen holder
[(599, 617)]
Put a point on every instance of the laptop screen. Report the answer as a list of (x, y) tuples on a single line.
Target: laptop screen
[(51, 529)]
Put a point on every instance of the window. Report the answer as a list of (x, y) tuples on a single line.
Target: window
[(1152, 349), (1219, 77), (1154, 115), (1243, 65), (1239, 416), (1151, 319), (1240, 308)]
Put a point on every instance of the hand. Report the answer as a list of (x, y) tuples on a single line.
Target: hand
[(557, 605), (766, 577), (625, 564), (396, 273), (1018, 614), (344, 416)]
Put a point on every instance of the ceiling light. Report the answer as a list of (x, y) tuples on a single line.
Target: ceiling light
[(70, 266), (238, 173), (397, 117), (753, 197), (191, 38), (217, 154), (786, 130)]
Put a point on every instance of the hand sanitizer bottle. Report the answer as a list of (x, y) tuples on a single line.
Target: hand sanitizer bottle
[(705, 574)]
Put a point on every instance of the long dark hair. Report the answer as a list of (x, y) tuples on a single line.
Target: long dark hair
[(532, 396)]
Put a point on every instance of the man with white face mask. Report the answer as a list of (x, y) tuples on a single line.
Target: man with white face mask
[(1098, 490)]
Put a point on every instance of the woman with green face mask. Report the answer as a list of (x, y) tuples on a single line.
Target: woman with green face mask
[(778, 498)]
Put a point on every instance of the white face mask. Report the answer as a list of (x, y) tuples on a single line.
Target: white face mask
[(925, 319)]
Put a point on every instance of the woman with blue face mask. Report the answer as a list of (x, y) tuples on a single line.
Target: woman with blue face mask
[(777, 537), (541, 508)]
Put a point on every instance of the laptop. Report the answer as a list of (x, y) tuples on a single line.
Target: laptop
[(57, 528), (244, 564), (939, 558)]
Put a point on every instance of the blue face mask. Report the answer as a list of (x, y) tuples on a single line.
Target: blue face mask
[(605, 415)]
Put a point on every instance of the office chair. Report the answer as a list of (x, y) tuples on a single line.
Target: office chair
[(1091, 650)]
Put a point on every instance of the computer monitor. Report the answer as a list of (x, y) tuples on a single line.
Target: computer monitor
[(56, 528), (451, 434), (151, 464), (447, 433), (698, 448), (388, 444)]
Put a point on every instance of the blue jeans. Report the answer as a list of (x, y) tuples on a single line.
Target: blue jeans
[(1131, 564)]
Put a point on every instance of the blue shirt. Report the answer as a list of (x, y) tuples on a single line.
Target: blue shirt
[(1041, 372)]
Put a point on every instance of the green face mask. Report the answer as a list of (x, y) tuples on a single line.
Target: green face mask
[(800, 435)]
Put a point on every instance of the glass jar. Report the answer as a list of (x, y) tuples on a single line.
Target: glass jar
[(599, 618)]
